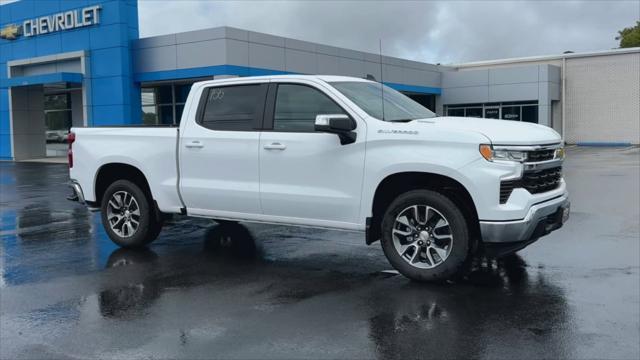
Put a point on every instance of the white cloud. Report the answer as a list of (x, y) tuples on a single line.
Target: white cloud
[(432, 31)]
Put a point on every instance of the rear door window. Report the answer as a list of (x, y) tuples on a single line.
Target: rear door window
[(233, 108)]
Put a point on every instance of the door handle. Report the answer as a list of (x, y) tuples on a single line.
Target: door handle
[(194, 144), (275, 146)]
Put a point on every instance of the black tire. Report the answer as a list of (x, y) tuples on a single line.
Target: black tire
[(149, 223), (459, 252), (154, 231)]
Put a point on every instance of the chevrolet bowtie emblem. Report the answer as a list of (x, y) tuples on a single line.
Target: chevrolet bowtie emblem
[(11, 32)]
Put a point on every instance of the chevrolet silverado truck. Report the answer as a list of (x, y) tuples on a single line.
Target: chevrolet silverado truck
[(329, 152)]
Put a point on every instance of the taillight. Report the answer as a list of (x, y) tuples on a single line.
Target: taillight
[(70, 139)]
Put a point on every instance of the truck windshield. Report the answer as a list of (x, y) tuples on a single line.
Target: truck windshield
[(368, 95)]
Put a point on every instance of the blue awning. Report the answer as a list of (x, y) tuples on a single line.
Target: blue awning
[(61, 77), (415, 88)]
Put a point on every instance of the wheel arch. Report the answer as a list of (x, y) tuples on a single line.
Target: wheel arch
[(108, 173), (395, 184)]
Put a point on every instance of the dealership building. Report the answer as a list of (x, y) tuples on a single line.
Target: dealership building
[(70, 63)]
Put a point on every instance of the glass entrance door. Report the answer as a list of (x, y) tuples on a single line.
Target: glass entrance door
[(57, 118)]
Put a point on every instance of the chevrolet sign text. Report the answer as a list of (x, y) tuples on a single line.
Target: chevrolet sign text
[(67, 20)]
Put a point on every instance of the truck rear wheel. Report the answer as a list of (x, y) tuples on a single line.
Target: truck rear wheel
[(425, 236), (129, 216)]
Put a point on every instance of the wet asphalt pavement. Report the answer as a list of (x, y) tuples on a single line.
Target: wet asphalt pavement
[(204, 290)]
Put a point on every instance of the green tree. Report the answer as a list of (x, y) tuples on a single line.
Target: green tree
[(629, 37)]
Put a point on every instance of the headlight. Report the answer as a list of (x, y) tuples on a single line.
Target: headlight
[(559, 153), (490, 154)]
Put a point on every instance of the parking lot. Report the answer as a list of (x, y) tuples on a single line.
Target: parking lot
[(258, 291)]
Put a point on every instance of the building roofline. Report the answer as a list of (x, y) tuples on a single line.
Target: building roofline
[(327, 48), (547, 57)]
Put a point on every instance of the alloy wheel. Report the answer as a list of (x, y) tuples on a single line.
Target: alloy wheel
[(123, 213), (422, 236)]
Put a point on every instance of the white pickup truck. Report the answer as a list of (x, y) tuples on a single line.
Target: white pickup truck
[(326, 151)]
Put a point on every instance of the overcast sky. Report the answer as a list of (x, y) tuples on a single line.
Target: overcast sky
[(431, 31)]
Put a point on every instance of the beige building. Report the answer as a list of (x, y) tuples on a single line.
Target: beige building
[(595, 100)]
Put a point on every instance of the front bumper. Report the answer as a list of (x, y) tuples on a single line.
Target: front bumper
[(540, 220)]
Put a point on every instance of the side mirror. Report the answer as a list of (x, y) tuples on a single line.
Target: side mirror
[(339, 124)]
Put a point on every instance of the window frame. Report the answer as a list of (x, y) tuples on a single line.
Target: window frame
[(270, 107), (258, 116)]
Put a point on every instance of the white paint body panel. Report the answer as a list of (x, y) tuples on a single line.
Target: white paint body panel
[(500, 132), (315, 181), (151, 150), (315, 177), (223, 174)]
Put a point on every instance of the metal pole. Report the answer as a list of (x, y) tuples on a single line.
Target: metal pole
[(564, 97)]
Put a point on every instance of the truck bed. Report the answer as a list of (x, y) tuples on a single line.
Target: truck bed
[(154, 150)]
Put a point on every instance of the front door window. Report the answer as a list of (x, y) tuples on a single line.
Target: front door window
[(297, 107)]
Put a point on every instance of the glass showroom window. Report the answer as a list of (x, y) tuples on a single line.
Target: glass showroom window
[(514, 111), (519, 111), (149, 111), (511, 113), (455, 112), (181, 91), (530, 113), (473, 112), (163, 104), (57, 116), (465, 111)]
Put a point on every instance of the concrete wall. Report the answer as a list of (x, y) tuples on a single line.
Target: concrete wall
[(72, 65), (603, 99), (27, 117), (519, 83), (231, 51), (556, 115), (77, 119)]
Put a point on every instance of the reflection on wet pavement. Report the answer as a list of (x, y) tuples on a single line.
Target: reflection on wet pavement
[(256, 291)]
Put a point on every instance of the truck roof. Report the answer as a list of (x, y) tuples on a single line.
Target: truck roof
[(325, 78)]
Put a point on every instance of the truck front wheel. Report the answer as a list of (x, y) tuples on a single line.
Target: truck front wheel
[(425, 236), (129, 215)]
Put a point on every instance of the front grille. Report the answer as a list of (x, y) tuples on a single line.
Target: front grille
[(534, 182), (540, 155), (543, 180)]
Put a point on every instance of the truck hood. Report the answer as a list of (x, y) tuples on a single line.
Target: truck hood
[(499, 132)]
